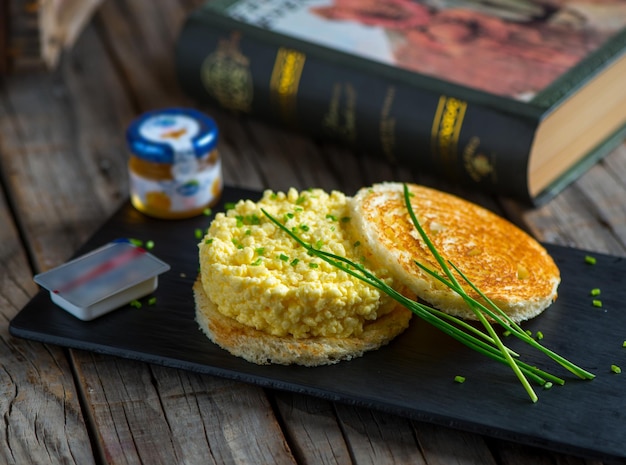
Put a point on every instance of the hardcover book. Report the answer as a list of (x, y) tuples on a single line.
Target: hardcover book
[(512, 97)]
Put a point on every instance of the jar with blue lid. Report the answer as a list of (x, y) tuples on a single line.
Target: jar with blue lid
[(174, 168)]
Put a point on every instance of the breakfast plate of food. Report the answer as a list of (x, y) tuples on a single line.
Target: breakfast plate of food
[(399, 297)]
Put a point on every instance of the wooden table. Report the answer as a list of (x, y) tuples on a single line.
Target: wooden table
[(63, 172)]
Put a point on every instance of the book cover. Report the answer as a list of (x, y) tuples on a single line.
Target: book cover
[(456, 87)]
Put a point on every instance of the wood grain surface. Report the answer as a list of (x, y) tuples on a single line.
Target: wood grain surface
[(63, 173)]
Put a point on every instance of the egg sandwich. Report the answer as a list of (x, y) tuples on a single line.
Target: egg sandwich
[(263, 297)]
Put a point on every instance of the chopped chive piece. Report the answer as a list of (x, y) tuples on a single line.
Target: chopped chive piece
[(547, 385), (595, 291), (331, 217), (597, 303), (135, 303), (616, 369), (207, 212), (283, 257), (294, 262), (198, 233), (319, 244), (152, 300), (229, 205), (624, 344), (459, 379), (260, 250), (345, 219), (539, 335), (507, 333), (313, 265), (208, 240), (248, 220), (149, 245), (590, 260), (304, 227), (257, 262), (136, 242)]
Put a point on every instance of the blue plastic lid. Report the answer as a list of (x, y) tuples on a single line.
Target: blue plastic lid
[(157, 135)]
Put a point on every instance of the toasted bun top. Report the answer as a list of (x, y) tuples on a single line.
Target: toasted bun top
[(504, 262)]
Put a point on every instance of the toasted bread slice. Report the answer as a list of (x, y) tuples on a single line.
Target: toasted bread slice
[(504, 262), (263, 348)]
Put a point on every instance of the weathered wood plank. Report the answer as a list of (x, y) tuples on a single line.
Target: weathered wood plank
[(141, 37), (46, 140), (378, 438), (42, 421), (237, 420), (311, 427), (156, 415), (443, 446)]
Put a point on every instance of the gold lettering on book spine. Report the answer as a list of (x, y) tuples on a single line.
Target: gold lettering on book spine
[(478, 164), (388, 126), (340, 118), (446, 129), (285, 81)]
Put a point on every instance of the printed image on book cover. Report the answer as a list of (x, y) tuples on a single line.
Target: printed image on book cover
[(512, 48)]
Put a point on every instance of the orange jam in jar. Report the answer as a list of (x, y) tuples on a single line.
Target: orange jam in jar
[(175, 169)]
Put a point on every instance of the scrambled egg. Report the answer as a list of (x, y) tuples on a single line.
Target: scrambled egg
[(255, 273)]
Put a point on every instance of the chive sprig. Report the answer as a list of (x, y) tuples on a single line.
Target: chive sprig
[(485, 342)]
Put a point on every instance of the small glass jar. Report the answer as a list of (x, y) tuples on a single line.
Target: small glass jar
[(175, 169)]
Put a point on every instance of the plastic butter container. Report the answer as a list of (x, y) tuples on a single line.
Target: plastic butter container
[(174, 168), (103, 280)]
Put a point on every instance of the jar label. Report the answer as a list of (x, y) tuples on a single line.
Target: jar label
[(175, 195), (177, 131), (169, 128)]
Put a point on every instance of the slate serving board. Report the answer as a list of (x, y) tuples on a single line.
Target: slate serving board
[(413, 376)]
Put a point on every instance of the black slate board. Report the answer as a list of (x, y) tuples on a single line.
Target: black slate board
[(413, 376)]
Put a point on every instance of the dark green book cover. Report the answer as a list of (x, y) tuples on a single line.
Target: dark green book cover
[(457, 89)]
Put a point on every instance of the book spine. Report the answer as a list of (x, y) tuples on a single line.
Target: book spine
[(374, 109)]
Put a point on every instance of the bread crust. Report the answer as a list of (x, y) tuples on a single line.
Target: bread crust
[(503, 261), (263, 348)]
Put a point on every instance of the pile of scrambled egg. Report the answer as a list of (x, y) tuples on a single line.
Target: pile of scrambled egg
[(258, 275)]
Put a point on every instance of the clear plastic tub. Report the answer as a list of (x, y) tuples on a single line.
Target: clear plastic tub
[(103, 280)]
